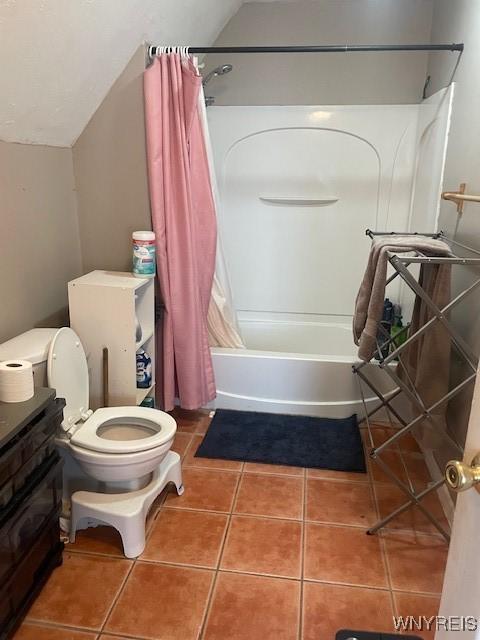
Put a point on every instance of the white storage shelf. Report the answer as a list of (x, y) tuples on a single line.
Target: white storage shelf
[(104, 306)]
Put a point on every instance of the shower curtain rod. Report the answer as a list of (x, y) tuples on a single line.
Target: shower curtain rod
[(336, 48)]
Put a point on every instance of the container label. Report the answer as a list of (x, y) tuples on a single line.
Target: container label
[(144, 257)]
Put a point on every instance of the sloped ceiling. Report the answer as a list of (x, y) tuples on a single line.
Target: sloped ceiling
[(60, 57)]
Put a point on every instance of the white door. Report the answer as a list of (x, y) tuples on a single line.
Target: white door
[(461, 589)]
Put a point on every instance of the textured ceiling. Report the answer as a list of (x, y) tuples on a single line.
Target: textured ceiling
[(60, 57)]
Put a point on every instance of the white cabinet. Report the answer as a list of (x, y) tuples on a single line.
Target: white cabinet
[(104, 309)]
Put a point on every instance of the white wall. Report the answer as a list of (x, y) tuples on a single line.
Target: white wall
[(353, 78), (60, 57), (460, 21), (39, 240), (111, 174)]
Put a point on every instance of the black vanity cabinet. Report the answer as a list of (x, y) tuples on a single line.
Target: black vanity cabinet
[(30, 502)]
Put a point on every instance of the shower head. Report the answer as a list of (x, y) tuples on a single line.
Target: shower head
[(218, 71)]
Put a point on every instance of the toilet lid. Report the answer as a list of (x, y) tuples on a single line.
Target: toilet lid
[(68, 374)]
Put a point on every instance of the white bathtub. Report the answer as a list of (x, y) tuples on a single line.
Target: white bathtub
[(292, 367)]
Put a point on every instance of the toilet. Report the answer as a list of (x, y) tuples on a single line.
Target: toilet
[(125, 450)]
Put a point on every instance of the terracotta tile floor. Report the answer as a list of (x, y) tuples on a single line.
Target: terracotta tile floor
[(250, 551)]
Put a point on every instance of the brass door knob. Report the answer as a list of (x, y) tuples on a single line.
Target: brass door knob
[(460, 476)]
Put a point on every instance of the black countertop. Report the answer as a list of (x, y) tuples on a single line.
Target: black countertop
[(16, 415)]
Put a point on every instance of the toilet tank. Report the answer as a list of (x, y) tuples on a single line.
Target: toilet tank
[(33, 346)]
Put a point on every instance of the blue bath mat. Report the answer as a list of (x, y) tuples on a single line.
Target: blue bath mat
[(272, 438)]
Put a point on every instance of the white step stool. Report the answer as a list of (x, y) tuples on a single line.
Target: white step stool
[(127, 512)]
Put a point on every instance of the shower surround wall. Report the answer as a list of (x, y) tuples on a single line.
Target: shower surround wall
[(299, 185)]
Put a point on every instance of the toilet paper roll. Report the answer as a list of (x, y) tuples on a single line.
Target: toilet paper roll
[(16, 380)]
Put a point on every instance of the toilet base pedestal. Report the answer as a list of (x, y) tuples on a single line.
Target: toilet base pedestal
[(126, 512)]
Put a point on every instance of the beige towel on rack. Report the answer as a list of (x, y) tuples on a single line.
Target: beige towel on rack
[(371, 295)]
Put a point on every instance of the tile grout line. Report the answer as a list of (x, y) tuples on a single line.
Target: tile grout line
[(47, 624), (164, 506), (322, 523), (302, 555), (208, 604), (258, 517), (108, 634), (285, 518), (383, 546), (268, 575), (117, 597), (386, 562)]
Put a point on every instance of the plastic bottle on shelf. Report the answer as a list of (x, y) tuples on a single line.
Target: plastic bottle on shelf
[(143, 254), (144, 370), (384, 333), (398, 332)]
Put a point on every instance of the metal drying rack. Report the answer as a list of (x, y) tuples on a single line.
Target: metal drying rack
[(400, 264)]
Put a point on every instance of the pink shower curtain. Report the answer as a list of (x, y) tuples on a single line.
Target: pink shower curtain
[(183, 217)]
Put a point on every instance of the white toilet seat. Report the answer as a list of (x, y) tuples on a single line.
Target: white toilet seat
[(68, 374), (161, 423)]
